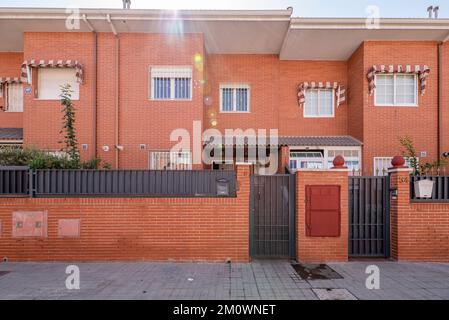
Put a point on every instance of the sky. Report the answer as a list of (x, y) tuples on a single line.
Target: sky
[(302, 8)]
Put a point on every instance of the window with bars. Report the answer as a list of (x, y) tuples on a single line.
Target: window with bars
[(396, 90), (382, 164), (234, 98), (319, 103), (171, 83), (166, 160)]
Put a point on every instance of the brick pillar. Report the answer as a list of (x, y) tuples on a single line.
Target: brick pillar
[(283, 159), (243, 197), (321, 249), (399, 203)]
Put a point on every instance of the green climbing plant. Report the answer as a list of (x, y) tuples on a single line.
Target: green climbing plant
[(68, 129)]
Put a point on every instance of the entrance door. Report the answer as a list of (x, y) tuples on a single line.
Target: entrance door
[(272, 216)]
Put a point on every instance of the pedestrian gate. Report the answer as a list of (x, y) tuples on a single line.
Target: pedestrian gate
[(272, 216), (369, 217)]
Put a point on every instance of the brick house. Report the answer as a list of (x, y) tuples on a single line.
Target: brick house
[(330, 86)]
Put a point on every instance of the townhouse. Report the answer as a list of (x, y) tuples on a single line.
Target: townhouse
[(329, 86)]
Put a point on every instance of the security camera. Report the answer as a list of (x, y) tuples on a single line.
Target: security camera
[(119, 148)]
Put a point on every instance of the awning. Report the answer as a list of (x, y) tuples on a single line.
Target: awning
[(320, 141), (339, 91), (305, 141), (26, 65), (421, 71), (11, 134)]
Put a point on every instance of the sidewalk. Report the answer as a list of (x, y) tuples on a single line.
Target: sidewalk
[(257, 280)]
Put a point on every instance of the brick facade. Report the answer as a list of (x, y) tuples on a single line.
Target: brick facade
[(273, 102), (321, 249), (419, 231), (158, 229)]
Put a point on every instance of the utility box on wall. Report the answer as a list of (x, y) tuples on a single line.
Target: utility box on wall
[(29, 224), (323, 213)]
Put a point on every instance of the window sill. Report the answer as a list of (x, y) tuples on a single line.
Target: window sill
[(13, 111), (170, 100), (397, 105), (320, 117), (233, 112), (58, 100)]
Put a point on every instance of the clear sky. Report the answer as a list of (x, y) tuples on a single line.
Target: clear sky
[(302, 8)]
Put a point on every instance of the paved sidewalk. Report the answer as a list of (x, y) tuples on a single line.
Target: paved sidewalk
[(257, 280)]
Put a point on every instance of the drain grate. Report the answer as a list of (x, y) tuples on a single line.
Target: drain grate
[(334, 294), (2, 273), (316, 272)]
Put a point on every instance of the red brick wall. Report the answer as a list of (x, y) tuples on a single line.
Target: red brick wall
[(356, 90), (384, 125), (42, 118), (445, 99), (274, 87), (10, 63), (182, 229), (419, 231), (321, 249)]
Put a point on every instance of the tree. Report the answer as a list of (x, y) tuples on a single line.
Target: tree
[(68, 129)]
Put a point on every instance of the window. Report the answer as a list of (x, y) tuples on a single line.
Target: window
[(15, 97), (50, 81), (319, 103), (381, 165), (234, 98), (306, 160), (396, 90), (171, 83), (165, 160), (352, 158)]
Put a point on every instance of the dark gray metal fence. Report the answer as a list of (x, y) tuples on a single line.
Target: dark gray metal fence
[(272, 217), (14, 181), (114, 183), (369, 216), (440, 189)]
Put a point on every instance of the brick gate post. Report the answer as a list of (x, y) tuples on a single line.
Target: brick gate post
[(399, 201), (321, 249)]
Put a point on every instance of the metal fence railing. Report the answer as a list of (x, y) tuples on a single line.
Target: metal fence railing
[(14, 181), (117, 183), (440, 191)]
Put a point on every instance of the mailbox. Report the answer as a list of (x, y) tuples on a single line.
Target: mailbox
[(222, 187)]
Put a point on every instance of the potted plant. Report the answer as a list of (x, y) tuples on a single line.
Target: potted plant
[(424, 188)]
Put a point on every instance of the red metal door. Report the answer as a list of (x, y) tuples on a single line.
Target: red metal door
[(323, 211)]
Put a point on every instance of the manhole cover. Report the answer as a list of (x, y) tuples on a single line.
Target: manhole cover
[(2, 273), (316, 272), (334, 294)]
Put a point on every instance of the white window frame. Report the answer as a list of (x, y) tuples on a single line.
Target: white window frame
[(76, 94), (172, 156), (312, 159), (395, 104), (325, 150), (171, 72), (234, 87), (388, 159), (10, 110), (321, 116)]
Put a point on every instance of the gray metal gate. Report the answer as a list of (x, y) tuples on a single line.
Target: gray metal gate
[(369, 217), (272, 217)]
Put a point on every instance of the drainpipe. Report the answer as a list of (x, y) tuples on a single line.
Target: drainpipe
[(117, 88), (94, 84), (440, 99)]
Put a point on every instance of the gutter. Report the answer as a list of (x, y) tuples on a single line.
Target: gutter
[(94, 84), (117, 88)]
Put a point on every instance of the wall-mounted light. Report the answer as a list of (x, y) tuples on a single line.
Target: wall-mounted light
[(84, 146), (142, 146), (105, 148)]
